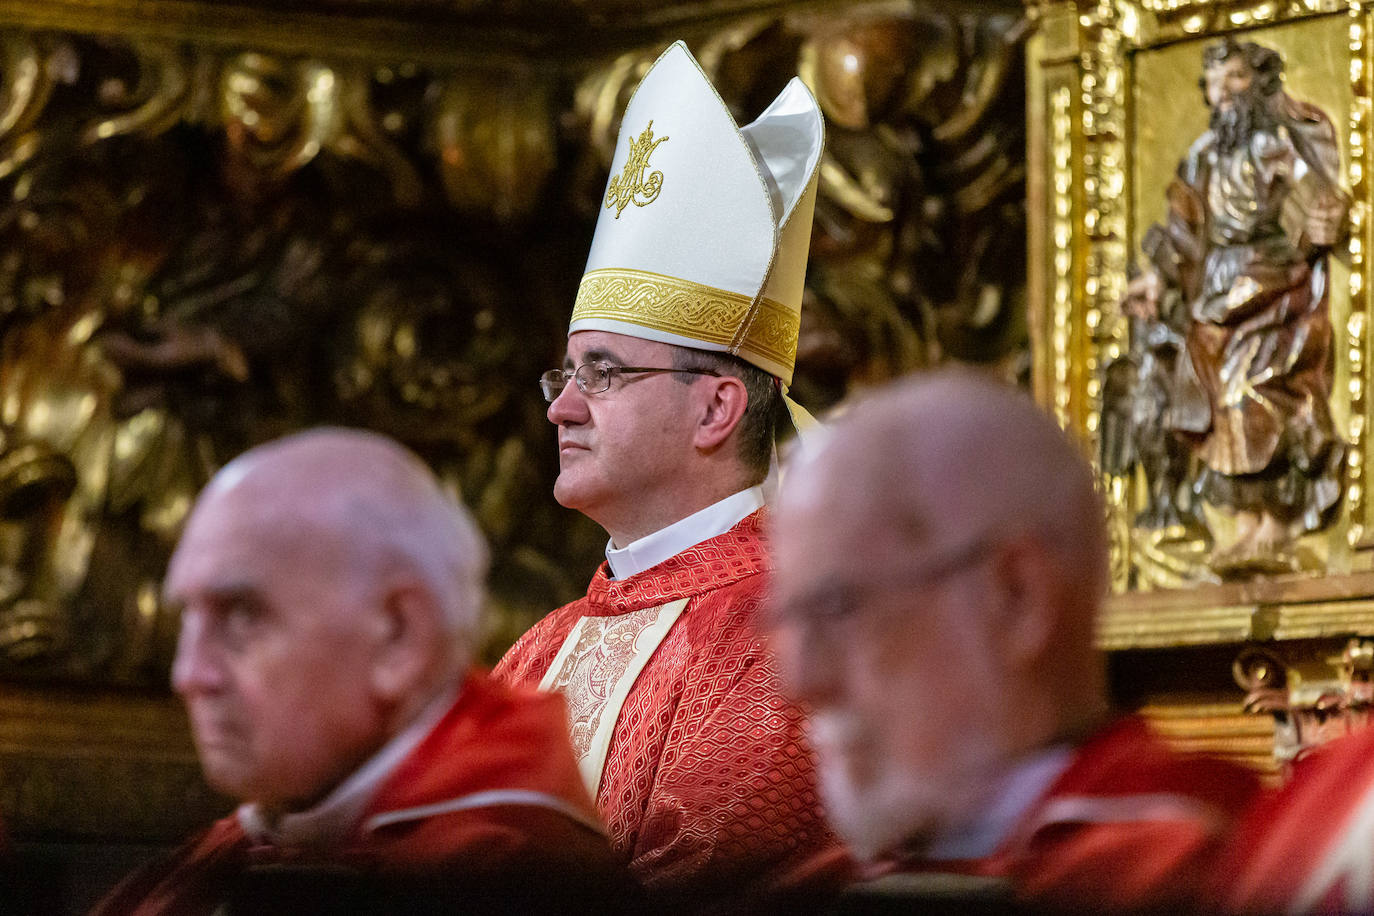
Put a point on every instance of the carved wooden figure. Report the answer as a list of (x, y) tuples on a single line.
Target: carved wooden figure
[(1240, 268)]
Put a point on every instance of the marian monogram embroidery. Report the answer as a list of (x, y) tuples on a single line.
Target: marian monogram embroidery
[(633, 185)]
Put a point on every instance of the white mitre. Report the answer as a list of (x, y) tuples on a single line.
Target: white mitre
[(705, 229)]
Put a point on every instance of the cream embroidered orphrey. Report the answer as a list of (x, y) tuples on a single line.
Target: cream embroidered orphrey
[(595, 669)]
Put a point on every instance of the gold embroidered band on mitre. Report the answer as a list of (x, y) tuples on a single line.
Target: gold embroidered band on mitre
[(690, 310)]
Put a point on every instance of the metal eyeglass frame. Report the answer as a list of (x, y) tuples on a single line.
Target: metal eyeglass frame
[(594, 378)]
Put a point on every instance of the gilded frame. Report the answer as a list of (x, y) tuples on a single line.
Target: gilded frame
[(1112, 104)]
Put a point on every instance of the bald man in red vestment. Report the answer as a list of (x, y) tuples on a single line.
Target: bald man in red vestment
[(330, 595), (681, 343), (941, 560)]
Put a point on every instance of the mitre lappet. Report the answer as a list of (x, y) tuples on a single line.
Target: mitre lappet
[(705, 226)]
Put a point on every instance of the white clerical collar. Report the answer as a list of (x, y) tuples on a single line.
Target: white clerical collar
[(653, 549), (1015, 793), (334, 819)]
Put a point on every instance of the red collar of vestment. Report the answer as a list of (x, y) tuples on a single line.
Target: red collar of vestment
[(716, 562)]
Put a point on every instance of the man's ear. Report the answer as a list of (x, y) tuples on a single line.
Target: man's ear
[(408, 638), (724, 408), (1026, 601)]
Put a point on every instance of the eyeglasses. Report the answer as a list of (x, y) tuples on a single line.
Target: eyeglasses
[(594, 378), (839, 601)]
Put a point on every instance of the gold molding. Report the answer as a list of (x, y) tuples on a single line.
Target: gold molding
[(1311, 608), (1356, 328), (1146, 627), (1103, 81), (1156, 22), (1061, 249)]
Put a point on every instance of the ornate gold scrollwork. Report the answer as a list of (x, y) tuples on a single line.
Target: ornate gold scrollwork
[(1312, 700), (496, 144), (154, 98)]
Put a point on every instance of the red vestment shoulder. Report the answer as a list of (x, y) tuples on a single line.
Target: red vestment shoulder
[(708, 776), (1309, 847), (1129, 825), (491, 793)]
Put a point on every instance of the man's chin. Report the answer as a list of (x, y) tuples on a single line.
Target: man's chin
[(572, 493), (223, 761), (876, 817), (565, 494), (223, 777)]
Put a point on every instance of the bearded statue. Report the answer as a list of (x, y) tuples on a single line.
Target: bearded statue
[(1237, 285)]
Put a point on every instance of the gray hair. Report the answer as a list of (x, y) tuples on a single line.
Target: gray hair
[(383, 506)]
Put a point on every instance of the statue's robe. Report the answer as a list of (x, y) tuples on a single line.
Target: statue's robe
[(1259, 335), (699, 764), (1310, 846), (486, 811), (1124, 824)]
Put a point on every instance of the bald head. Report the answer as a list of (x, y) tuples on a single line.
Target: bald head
[(940, 558), (957, 454), (370, 498), (330, 592)]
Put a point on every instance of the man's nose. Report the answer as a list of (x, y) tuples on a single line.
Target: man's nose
[(196, 668), (570, 407)]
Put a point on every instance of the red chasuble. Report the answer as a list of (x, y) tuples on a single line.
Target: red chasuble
[(1128, 826), (1309, 847), (699, 764), (490, 796)]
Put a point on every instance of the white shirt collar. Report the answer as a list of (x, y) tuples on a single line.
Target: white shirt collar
[(1015, 793), (333, 819), (653, 549)]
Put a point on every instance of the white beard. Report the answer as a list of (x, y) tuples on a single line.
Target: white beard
[(874, 814)]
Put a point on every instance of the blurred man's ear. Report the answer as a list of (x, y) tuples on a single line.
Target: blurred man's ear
[(1025, 604), (410, 637)]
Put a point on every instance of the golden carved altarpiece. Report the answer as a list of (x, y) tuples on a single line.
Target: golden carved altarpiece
[(220, 221), (1113, 104)]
